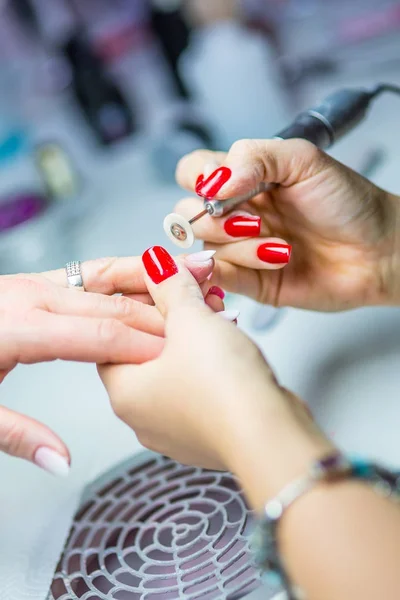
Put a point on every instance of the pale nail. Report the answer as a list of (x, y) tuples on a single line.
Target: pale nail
[(201, 257), (229, 315), (52, 462)]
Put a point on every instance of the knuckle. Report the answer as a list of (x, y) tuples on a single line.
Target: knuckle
[(124, 306), (104, 264), (100, 273), (13, 440), (110, 330), (311, 157)]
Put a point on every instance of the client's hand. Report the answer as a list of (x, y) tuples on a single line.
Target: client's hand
[(42, 320), (210, 392), (341, 227)]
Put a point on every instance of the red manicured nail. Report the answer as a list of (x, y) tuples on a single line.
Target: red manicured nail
[(159, 264), (210, 187), (275, 254), (216, 291), (243, 226), (199, 181)]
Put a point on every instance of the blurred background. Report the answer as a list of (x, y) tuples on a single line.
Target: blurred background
[(99, 100)]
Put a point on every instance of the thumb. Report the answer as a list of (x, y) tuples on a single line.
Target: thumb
[(170, 282), (250, 162), (23, 437)]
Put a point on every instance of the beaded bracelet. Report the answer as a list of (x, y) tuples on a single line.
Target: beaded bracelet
[(333, 467)]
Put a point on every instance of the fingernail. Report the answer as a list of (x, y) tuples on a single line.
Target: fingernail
[(159, 264), (51, 461), (201, 257), (199, 181), (229, 315), (208, 188), (274, 254), (239, 226), (215, 290)]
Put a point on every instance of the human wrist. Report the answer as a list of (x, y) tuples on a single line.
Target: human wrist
[(274, 444)]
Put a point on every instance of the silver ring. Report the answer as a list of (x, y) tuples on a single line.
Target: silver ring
[(74, 275)]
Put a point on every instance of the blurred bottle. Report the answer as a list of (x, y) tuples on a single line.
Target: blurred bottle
[(37, 211), (58, 173)]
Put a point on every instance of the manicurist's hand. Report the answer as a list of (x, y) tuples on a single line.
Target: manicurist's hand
[(210, 395), (324, 239), (210, 399), (43, 320)]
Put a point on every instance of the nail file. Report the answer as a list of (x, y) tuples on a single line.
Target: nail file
[(179, 230)]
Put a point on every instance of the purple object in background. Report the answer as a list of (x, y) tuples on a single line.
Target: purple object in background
[(371, 24), (20, 208)]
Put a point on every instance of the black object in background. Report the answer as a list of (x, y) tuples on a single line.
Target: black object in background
[(26, 15), (102, 103), (173, 34)]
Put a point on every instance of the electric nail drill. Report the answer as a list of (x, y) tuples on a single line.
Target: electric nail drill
[(324, 125)]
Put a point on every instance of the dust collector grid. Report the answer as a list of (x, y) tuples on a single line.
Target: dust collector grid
[(153, 529)]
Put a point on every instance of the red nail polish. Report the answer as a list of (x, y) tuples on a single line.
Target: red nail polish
[(275, 254), (199, 181), (159, 264), (216, 291), (211, 186), (243, 226)]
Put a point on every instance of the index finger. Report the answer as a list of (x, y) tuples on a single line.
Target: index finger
[(250, 162), (123, 275)]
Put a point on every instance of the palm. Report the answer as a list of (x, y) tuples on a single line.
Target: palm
[(337, 223)]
